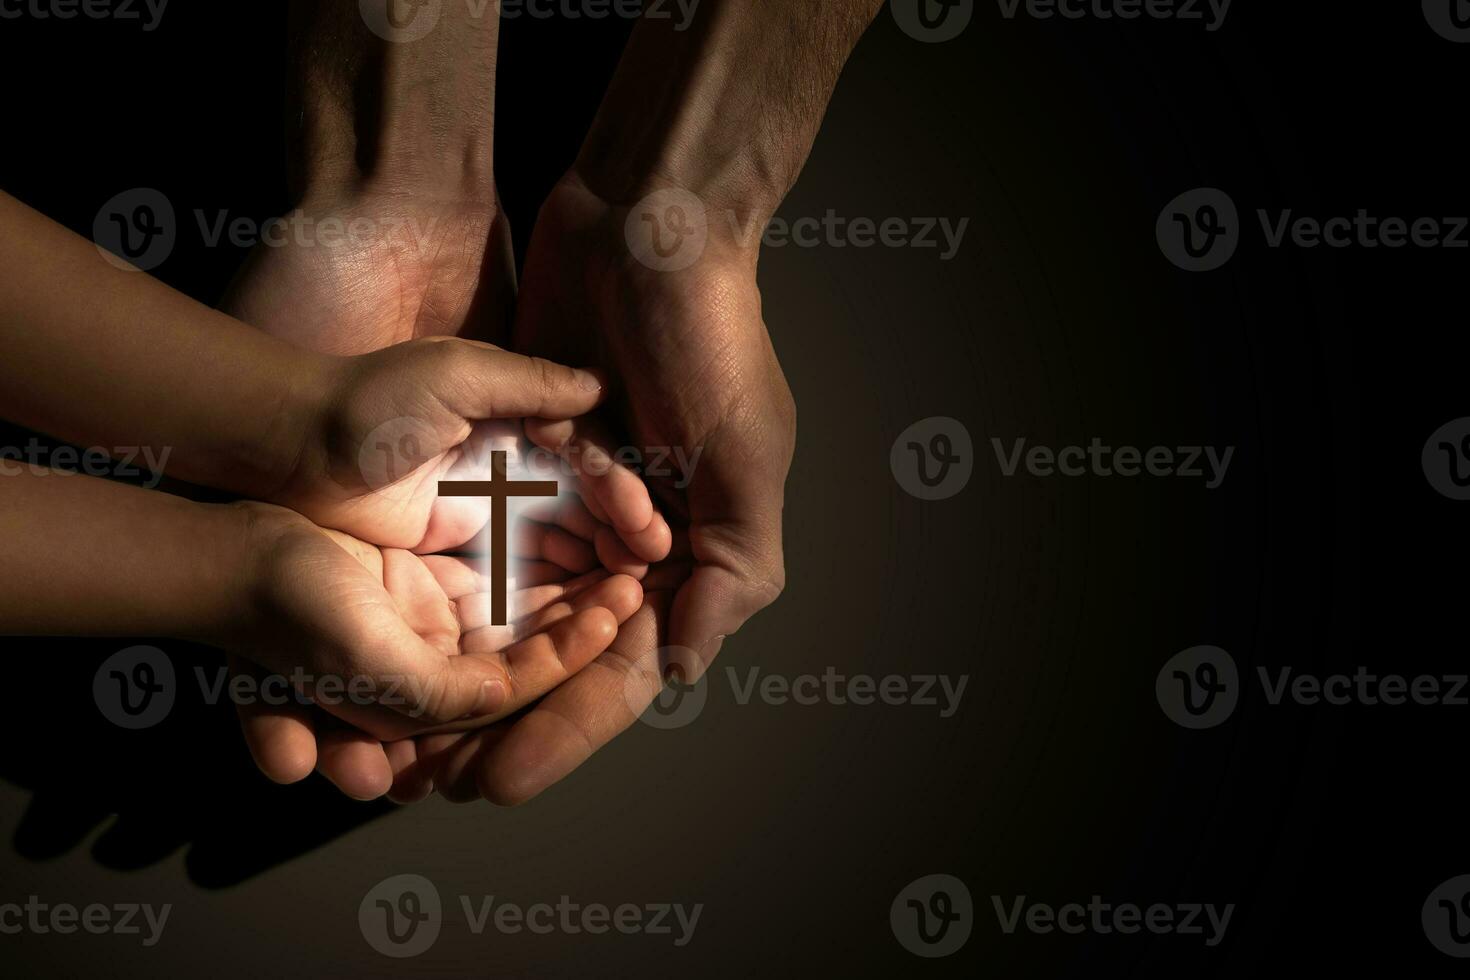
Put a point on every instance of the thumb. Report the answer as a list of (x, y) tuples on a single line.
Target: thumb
[(478, 381), (714, 603)]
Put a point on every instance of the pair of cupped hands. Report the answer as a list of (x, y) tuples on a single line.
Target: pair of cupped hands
[(620, 581)]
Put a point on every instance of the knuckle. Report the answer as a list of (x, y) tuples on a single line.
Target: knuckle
[(543, 373)]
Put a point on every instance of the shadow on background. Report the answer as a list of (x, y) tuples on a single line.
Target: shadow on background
[(186, 782)]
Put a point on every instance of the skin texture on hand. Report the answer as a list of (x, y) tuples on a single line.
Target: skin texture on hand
[(395, 266), (400, 420), (422, 657), (565, 611), (697, 372)]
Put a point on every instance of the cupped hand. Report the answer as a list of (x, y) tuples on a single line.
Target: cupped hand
[(698, 374), (564, 610)]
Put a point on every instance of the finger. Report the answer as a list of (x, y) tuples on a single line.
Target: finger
[(475, 610), (529, 574), (739, 570), (566, 511), (413, 780), (563, 730), (410, 677), (710, 606), (477, 381), (613, 552), (549, 543), (619, 492), (281, 737), (457, 576), (463, 575), (456, 776), (618, 594), (355, 763), (527, 670)]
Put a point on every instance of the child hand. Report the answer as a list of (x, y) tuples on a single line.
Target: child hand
[(558, 612), (391, 424)]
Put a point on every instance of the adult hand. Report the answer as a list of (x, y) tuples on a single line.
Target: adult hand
[(698, 378)]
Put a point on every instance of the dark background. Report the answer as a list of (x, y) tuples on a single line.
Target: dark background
[(1059, 778)]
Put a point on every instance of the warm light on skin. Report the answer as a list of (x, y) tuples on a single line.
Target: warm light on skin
[(511, 481)]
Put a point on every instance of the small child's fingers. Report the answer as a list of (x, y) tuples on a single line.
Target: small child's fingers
[(613, 552), (549, 543), (475, 612), (618, 594), (457, 577), (355, 763), (618, 491), (566, 511), (281, 738), (526, 574), (653, 542)]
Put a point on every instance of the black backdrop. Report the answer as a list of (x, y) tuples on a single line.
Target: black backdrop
[(1326, 549)]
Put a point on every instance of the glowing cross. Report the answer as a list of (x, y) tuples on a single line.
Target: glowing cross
[(498, 488)]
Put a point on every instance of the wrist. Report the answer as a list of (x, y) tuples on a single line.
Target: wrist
[(415, 113), (726, 241), (286, 441), (241, 545)]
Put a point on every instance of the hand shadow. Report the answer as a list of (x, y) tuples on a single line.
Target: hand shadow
[(186, 780)]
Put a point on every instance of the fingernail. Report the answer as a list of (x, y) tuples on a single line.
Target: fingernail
[(587, 380), (492, 698)]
